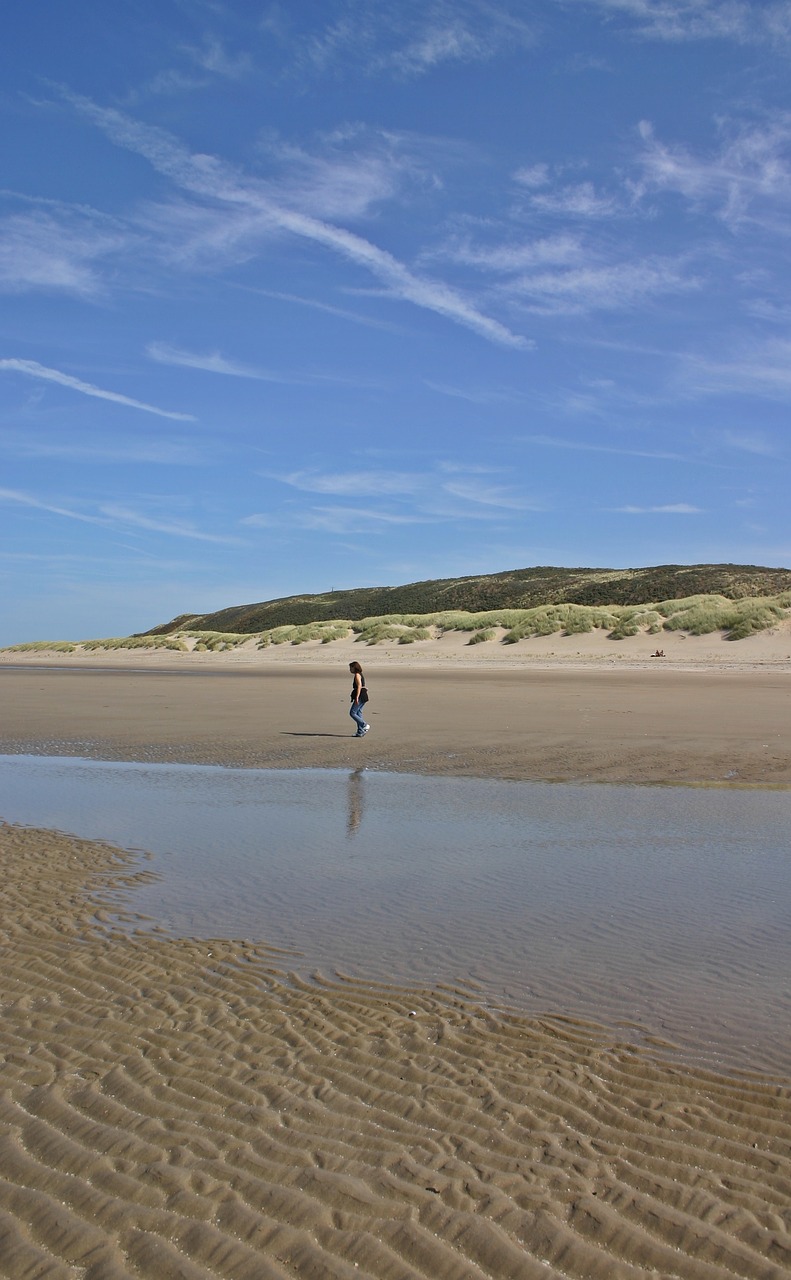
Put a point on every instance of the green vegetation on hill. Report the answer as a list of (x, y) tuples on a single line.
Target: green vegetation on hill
[(692, 615), (516, 589)]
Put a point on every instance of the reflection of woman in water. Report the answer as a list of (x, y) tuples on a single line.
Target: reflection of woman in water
[(358, 700), (355, 798)]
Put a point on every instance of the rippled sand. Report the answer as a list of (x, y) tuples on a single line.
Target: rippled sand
[(186, 1108)]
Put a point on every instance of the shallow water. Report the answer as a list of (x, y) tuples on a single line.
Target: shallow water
[(668, 908)]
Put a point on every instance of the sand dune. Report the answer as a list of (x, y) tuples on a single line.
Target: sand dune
[(185, 1108), (593, 649)]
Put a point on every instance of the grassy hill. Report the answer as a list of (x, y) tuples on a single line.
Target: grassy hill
[(514, 589)]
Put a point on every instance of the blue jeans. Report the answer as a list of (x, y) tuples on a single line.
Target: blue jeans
[(356, 713)]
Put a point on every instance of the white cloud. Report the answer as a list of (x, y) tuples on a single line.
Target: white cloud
[(578, 201), (156, 452), (554, 442), (354, 170), (668, 509), (416, 36), (447, 494), (600, 287), (355, 483), (475, 396), (315, 304), (533, 175), (748, 179), (39, 251), (25, 500), (558, 250), (212, 56), (489, 495), (210, 179), (755, 442), (762, 369), (31, 369), (338, 520), (173, 528), (562, 275), (679, 21), (212, 362), (215, 362)]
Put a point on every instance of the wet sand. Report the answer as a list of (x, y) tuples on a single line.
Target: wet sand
[(602, 724), (189, 1108), (183, 1108)]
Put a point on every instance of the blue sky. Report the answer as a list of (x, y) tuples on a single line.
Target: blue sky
[(327, 294)]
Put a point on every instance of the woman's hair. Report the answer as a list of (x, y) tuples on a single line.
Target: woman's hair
[(356, 668)]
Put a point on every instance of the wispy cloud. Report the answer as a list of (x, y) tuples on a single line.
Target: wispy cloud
[(31, 369), (514, 256), (111, 514), (211, 362), (748, 178), (210, 179), (351, 172), (487, 395), (755, 442), (154, 452), (462, 33), (213, 56), (762, 369), (340, 519), (580, 200), (315, 304), (56, 249), (417, 36), (606, 287), (679, 21), (172, 528), (204, 62), (25, 500), (561, 274), (667, 509), (581, 446), (215, 362), (489, 495), (355, 483), (447, 493), (549, 192)]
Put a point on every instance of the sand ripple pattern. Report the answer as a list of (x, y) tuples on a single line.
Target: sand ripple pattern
[(186, 1108)]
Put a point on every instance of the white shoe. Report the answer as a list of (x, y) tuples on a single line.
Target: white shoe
[(364, 731)]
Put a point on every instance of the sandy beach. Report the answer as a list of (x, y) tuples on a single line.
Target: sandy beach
[(577, 708), (193, 1108)]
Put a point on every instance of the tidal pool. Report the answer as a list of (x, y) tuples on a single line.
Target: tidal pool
[(667, 908)]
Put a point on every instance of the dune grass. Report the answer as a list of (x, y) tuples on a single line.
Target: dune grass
[(213, 641), (700, 615), (325, 632), (481, 636), (42, 646), (695, 615), (134, 642)]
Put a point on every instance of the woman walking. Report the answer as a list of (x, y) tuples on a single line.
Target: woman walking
[(359, 699)]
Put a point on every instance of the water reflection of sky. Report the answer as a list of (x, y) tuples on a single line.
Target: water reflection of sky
[(668, 906)]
